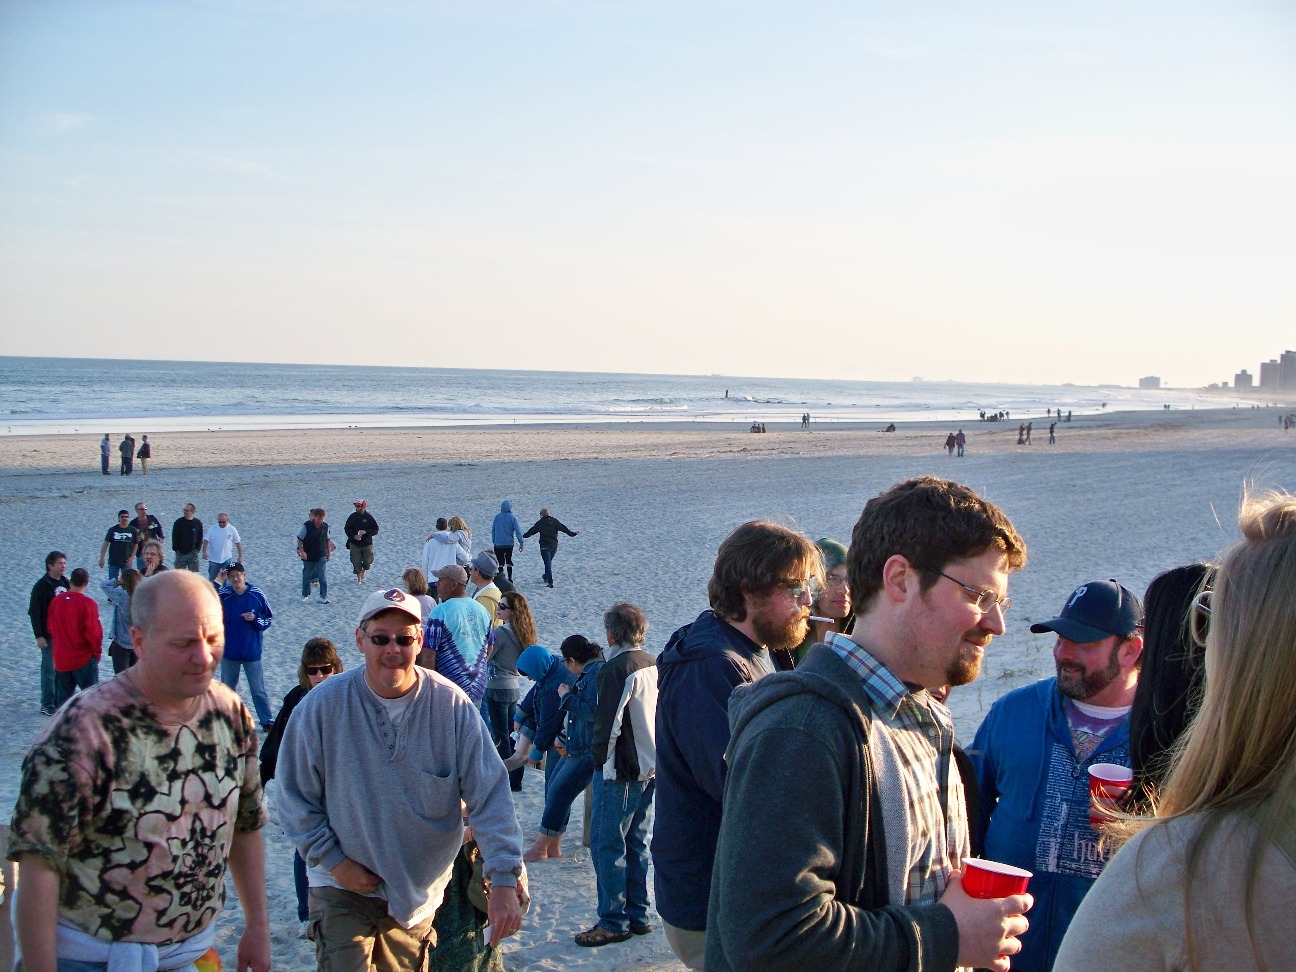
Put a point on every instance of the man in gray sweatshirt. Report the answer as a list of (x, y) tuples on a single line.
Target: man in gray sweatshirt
[(372, 769)]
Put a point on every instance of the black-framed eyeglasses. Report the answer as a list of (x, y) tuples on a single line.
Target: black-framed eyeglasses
[(1199, 617), (319, 669), (382, 640), (982, 597), (505, 607)]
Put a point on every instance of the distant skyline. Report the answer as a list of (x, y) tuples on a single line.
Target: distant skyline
[(1084, 192)]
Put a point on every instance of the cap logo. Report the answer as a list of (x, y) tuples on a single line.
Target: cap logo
[(1080, 592), (394, 594)]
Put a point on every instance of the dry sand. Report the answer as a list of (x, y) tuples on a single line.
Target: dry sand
[(1123, 496)]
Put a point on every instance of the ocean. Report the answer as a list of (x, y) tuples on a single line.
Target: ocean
[(86, 395)]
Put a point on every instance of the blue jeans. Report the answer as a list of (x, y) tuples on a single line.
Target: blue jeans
[(569, 779), (103, 462), (619, 850), (47, 679), (114, 570), (314, 570), (302, 885), (256, 682), (498, 707), (547, 556), (66, 683)]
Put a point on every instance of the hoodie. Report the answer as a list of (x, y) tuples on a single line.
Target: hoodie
[(505, 527), (696, 673)]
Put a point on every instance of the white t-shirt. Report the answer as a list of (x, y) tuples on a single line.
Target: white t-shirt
[(220, 543)]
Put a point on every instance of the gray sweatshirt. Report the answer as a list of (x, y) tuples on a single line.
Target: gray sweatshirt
[(353, 785)]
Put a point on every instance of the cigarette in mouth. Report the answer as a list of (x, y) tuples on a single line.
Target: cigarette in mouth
[(824, 620)]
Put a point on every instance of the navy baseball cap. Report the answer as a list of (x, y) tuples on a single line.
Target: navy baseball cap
[(1095, 611)]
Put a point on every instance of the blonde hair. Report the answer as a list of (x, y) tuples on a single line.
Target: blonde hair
[(521, 622), (1239, 753), (457, 523)]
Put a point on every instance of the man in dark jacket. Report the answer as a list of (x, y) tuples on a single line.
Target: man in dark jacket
[(844, 822), (187, 538), (360, 529), (51, 584), (548, 526), (625, 758), (315, 548), (760, 592)]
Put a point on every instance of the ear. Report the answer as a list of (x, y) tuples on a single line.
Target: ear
[(899, 579), (1130, 652), (359, 640)]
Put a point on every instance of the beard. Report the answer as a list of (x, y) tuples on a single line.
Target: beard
[(775, 634), (965, 669), (1081, 685)]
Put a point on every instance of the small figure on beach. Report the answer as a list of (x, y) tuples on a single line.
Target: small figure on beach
[(960, 441), (442, 548), (127, 449), (333, 748), (1063, 725), (458, 635), (144, 454), (949, 444), (890, 428), (51, 584), (1052, 433), (505, 528), (1029, 427), (360, 529), (187, 538), (221, 546), (805, 420), (315, 549), (927, 555), (1021, 434), (192, 753), (548, 527), (760, 593), (1068, 418), (624, 755), (247, 616), (120, 544), (105, 452)]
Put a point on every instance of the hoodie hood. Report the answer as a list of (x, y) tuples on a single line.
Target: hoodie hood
[(536, 661), (506, 507), (748, 701), (704, 638)]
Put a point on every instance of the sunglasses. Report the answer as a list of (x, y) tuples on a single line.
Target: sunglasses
[(505, 607), (381, 640), (1199, 617), (319, 669)]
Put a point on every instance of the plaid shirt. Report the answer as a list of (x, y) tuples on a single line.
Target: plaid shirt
[(923, 734)]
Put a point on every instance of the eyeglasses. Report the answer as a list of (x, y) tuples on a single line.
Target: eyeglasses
[(1199, 617), (381, 640), (801, 589), (983, 598), (319, 669), (504, 607)]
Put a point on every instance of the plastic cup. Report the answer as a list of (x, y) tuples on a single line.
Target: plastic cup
[(990, 879), (1107, 784)]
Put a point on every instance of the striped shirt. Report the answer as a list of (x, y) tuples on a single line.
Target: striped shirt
[(923, 733)]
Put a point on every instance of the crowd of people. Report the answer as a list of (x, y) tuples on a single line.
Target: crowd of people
[(810, 805)]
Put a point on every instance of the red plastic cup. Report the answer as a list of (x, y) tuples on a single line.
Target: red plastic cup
[(1107, 783), (990, 879)]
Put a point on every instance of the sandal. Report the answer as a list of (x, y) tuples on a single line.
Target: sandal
[(598, 935)]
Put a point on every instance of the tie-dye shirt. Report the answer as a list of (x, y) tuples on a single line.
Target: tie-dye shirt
[(137, 816)]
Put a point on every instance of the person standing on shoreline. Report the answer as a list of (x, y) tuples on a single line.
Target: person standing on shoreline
[(360, 529), (187, 539), (548, 528), (127, 449), (50, 586), (105, 453), (144, 454)]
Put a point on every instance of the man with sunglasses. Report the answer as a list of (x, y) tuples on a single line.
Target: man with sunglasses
[(760, 593), (844, 823), (1034, 749), (372, 771)]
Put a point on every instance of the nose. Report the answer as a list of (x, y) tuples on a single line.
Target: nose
[(993, 620)]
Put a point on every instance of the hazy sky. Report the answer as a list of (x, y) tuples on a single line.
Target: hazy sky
[(1039, 191)]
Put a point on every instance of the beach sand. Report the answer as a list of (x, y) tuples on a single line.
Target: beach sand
[(1125, 496)]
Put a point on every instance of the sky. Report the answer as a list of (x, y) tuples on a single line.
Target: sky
[(1043, 191)]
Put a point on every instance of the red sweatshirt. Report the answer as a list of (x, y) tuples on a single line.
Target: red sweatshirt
[(75, 633)]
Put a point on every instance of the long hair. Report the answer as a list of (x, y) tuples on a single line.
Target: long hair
[(521, 622), (1239, 754), (457, 523), (318, 651), (416, 581)]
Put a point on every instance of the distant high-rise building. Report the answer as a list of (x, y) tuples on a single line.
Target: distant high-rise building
[(1151, 381), (1287, 372), (1269, 375), (1242, 380)]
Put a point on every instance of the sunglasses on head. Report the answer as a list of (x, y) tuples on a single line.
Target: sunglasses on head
[(1199, 617), (403, 640), (319, 669)]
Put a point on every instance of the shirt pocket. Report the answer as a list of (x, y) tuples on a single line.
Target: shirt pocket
[(439, 798)]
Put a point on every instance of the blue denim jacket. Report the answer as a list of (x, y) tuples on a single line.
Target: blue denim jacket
[(579, 705)]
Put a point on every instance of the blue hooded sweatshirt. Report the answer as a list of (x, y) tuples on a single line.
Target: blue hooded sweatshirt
[(505, 527), (541, 712), (698, 670), (243, 638)]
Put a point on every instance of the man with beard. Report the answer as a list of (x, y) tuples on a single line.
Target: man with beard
[(760, 593), (1033, 751), (844, 826)]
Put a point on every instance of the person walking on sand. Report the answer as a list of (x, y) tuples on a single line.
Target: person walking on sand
[(174, 755), (360, 530), (221, 547), (949, 444), (1052, 434), (105, 453), (505, 528), (51, 584), (144, 454), (77, 637), (960, 441), (315, 549), (548, 527), (187, 539), (844, 827), (247, 616), (760, 593)]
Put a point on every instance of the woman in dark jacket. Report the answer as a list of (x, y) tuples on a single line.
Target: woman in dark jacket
[(548, 528)]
